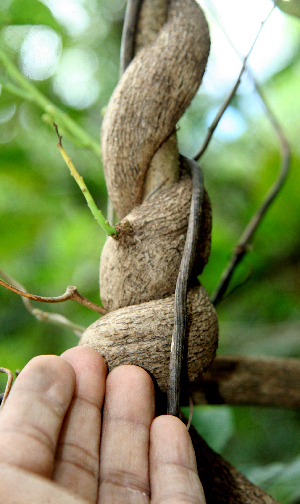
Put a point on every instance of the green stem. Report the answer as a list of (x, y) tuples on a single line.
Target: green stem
[(98, 215), (34, 95)]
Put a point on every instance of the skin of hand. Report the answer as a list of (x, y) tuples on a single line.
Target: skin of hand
[(61, 443)]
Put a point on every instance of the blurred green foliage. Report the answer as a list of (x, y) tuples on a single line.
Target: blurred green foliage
[(48, 238), (290, 6)]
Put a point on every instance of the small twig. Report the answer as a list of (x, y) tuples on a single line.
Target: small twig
[(186, 265), (43, 316), (59, 320), (98, 215), (8, 384), (71, 293), (243, 244), (214, 124), (58, 135)]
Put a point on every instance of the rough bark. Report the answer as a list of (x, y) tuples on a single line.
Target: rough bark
[(150, 98), (261, 381), (144, 263), (141, 335)]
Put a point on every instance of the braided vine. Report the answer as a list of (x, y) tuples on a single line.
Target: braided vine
[(150, 187)]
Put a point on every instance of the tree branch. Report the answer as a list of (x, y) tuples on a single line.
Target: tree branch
[(245, 380), (223, 483)]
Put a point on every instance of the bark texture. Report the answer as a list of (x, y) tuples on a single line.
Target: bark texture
[(144, 263), (222, 483), (141, 162), (149, 100), (261, 381), (141, 335), (138, 128)]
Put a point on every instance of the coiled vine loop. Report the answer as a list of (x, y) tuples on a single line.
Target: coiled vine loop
[(150, 186)]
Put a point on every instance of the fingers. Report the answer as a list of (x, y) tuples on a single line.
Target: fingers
[(31, 419), (173, 469), (124, 451), (77, 456), (20, 486), (42, 417)]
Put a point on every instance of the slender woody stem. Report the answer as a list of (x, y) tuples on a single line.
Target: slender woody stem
[(128, 33), (180, 302), (243, 244), (41, 315), (71, 293)]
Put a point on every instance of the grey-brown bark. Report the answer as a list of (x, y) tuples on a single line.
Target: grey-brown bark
[(143, 264), (238, 379), (150, 98), (141, 335)]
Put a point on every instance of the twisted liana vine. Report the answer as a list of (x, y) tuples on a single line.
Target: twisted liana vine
[(163, 239), (150, 186), (177, 344)]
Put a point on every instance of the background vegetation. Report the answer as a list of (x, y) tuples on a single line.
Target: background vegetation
[(48, 238)]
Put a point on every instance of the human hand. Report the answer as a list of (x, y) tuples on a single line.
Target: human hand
[(50, 427)]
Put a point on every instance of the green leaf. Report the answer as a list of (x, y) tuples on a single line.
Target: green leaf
[(30, 12)]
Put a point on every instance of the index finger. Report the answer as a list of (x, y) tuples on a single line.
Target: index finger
[(31, 418)]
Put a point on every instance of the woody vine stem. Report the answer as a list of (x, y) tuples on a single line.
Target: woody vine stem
[(127, 53), (177, 345)]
